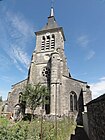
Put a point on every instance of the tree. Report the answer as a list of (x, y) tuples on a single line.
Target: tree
[(34, 96), (0, 98)]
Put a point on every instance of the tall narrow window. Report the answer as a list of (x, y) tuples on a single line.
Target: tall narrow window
[(53, 42), (43, 43), (73, 101), (48, 43)]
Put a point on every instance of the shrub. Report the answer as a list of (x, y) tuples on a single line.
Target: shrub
[(24, 130)]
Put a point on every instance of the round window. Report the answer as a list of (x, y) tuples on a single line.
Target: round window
[(46, 72)]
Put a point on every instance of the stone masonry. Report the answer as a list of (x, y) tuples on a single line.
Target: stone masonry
[(96, 118), (49, 67)]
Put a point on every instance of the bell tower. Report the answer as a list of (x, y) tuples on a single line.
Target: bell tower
[(48, 40), (48, 62)]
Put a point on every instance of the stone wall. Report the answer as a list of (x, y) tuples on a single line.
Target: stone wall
[(85, 123), (96, 118), (13, 96)]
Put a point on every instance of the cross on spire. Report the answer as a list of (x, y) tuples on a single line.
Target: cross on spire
[(52, 9), (52, 3)]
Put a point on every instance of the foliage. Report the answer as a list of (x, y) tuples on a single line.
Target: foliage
[(1, 99), (16, 132), (34, 96), (31, 131), (3, 121)]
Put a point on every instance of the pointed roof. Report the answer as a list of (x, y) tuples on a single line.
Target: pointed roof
[(51, 25), (51, 21)]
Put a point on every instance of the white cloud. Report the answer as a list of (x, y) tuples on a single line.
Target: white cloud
[(103, 78), (5, 78), (98, 88), (19, 32), (90, 55), (4, 62), (83, 41), (19, 55), (19, 23)]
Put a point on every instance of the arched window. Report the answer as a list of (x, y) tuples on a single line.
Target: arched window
[(53, 42), (48, 43), (73, 101), (43, 43)]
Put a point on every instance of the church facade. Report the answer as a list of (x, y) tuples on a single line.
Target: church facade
[(49, 67)]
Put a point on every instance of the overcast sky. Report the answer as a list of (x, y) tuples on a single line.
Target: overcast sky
[(83, 22)]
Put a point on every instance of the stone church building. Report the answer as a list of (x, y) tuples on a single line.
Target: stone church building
[(49, 67)]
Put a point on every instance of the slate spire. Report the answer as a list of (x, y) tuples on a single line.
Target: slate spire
[(51, 21)]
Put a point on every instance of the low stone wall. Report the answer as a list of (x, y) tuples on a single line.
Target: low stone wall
[(96, 118)]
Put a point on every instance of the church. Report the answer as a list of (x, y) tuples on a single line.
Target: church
[(48, 67)]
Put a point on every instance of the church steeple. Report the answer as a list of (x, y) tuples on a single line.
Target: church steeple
[(50, 36), (51, 21)]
